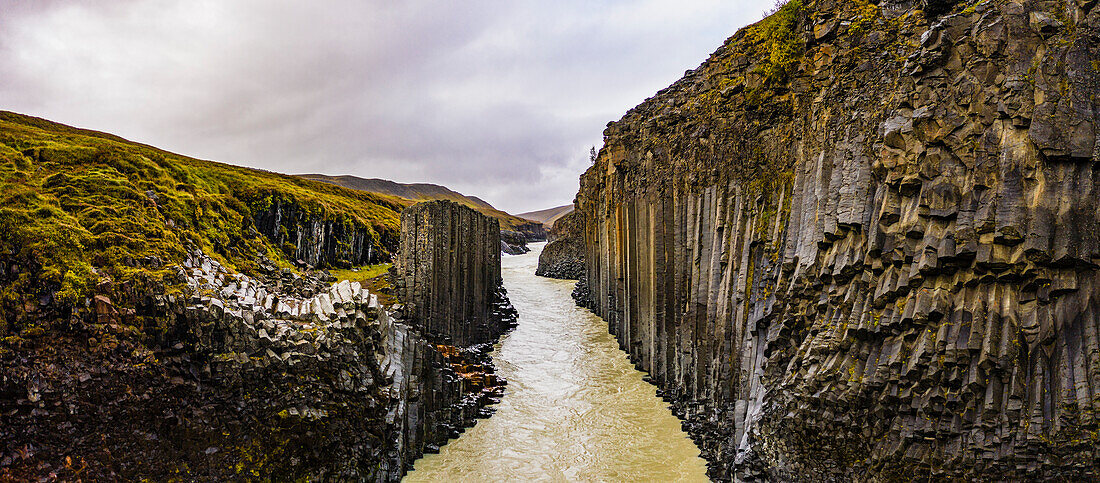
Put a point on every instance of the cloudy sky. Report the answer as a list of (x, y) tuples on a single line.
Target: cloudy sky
[(496, 99)]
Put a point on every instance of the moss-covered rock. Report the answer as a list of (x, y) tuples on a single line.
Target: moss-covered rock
[(247, 382), (85, 213)]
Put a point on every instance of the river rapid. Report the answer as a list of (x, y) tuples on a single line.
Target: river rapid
[(575, 408)]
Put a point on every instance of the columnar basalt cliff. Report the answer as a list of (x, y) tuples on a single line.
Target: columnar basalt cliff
[(319, 238), (85, 213), (447, 274), (153, 324), (563, 255), (241, 382), (860, 242)]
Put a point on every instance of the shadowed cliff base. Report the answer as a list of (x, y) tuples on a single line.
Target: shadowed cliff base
[(859, 242)]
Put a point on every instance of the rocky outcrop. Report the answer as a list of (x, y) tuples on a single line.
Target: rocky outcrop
[(127, 354), (563, 255), (317, 238), (447, 274), (859, 243), (513, 243), (532, 232), (232, 381)]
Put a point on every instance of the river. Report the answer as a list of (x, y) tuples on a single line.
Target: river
[(575, 408)]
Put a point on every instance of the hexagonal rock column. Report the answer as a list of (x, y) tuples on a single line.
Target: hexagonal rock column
[(447, 274)]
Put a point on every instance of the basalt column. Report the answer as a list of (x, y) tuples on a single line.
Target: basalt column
[(447, 273), (861, 242)]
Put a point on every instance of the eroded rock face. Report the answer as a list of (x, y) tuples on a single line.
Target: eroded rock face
[(235, 380), (532, 231), (513, 243), (563, 255), (937, 7), (319, 239), (879, 262), (447, 274)]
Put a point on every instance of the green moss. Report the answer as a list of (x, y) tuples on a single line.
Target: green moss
[(782, 45), (866, 15), (970, 9), (361, 274), (373, 278), (82, 206)]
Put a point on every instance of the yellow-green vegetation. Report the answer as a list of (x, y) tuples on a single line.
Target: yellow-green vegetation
[(782, 44), (373, 277), (866, 15), (973, 7), (80, 208), (773, 47), (361, 274)]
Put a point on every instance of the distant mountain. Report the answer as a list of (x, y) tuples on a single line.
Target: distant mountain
[(548, 216), (414, 192)]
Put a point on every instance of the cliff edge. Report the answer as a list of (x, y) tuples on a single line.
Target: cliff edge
[(859, 242)]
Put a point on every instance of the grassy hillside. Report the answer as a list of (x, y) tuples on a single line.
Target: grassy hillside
[(410, 191), (548, 216), (80, 208), (421, 192)]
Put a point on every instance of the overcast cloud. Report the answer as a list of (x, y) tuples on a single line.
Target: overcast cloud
[(495, 99)]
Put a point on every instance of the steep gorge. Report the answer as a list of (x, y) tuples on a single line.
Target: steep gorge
[(860, 241)]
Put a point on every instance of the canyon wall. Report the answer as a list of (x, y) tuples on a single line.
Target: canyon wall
[(514, 242), (533, 231), (319, 238), (232, 380), (860, 242), (447, 274), (563, 255), (200, 372)]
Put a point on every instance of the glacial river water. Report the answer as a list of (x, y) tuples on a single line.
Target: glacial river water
[(575, 408)]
